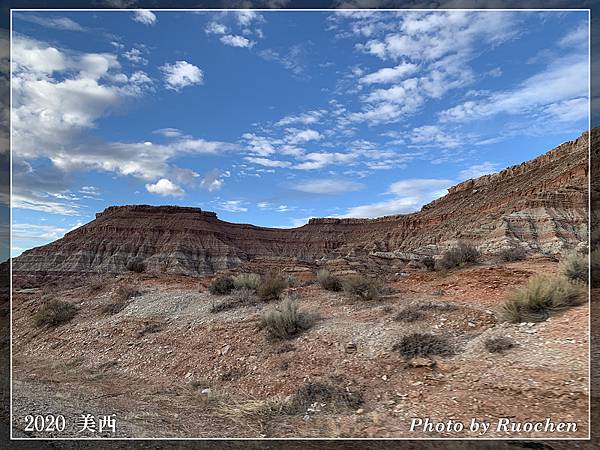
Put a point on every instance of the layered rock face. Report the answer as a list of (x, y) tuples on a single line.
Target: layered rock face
[(541, 205)]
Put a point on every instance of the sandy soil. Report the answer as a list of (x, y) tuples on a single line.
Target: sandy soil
[(154, 381)]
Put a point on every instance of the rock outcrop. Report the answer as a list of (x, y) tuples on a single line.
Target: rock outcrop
[(541, 205)]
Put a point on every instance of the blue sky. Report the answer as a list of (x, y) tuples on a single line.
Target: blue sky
[(274, 117)]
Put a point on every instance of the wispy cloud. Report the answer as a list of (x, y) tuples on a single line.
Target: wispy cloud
[(326, 186)]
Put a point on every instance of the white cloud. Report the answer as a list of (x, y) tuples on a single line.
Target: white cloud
[(478, 170), (326, 186), (135, 55), (40, 232), (390, 74), (236, 41), (144, 16), (169, 132), (245, 17), (295, 136), (408, 196), (233, 206), (59, 23), (267, 162), (213, 180), (215, 28), (181, 74), (434, 136), (164, 187), (318, 160), (306, 118)]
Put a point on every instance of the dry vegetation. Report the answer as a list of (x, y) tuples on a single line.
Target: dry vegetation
[(285, 320), (54, 313)]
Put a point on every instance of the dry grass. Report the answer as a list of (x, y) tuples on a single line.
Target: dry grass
[(238, 298), (248, 281), (512, 254), (327, 397), (463, 253), (575, 267), (285, 320), (329, 282), (271, 287), (416, 311), (542, 295), (54, 313), (361, 288)]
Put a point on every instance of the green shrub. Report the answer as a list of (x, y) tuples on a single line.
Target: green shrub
[(361, 288), (329, 282), (463, 253), (250, 281), (285, 321), (575, 267), (498, 344), (271, 287), (136, 265), (513, 254), (54, 313), (222, 285), (542, 295), (423, 345)]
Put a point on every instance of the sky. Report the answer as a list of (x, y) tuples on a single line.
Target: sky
[(275, 117)]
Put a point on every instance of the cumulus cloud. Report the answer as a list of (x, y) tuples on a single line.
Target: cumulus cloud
[(326, 186), (295, 136), (215, 28), (181, 74), (164, 187), (144, 16), (236, 41)]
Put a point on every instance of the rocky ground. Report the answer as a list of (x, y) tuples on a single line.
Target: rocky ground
[(169, 367)]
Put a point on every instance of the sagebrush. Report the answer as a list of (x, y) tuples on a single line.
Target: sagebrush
[(361, 288), (423, 345), (249, 281), (271, 287), (575, 267), (222, 285), (463, 253), (513, 254), (498, 344), (542, 295), (328, 281), (54, 313), (285, 320)]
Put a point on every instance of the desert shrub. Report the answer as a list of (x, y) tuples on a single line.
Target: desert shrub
[(96, 283), (463, 253), (427, 262), (595, 266), (328, 396), (513, 254), (248, 281), (222, 285), (328, 281), (575, 267), (271, 287), (542, 295), (409, 314), (136, 265), (498, 344), (361, 288), (285, 321), (237, 298), (54, 313), (416, 311), (423, 344), (120, 299)]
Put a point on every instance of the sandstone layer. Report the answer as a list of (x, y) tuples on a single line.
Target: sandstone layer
[(541, 205)]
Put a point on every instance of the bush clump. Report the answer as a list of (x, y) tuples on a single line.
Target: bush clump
[(513, 254), (361, 288), (498, 344), (328, 281), (423, 345), (575, 267), (54, 313), (285, 321), (427, 262), (271, 287), (239, 297), (416, 311), (136, 265), (222, 285), (542, 295), (247, 281), (328, 396), (463, 253), (120, 299)]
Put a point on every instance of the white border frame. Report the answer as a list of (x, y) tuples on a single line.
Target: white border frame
[(332, 10)]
